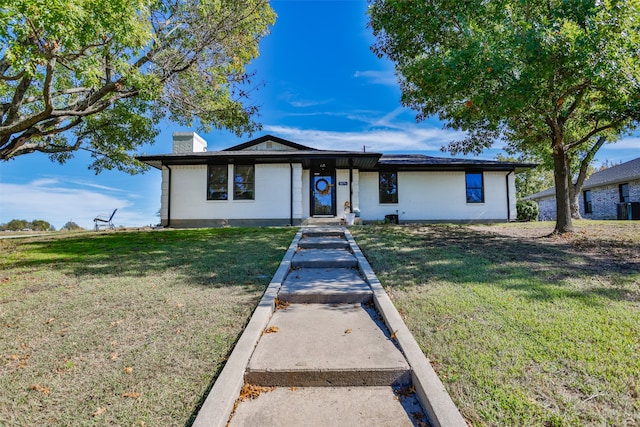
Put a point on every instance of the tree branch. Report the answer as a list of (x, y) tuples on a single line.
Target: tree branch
[(591, 134)]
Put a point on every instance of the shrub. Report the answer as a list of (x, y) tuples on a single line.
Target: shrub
[(527, 210)]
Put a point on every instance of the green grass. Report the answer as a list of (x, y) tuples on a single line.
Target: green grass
[(524, 329), (125, 328)]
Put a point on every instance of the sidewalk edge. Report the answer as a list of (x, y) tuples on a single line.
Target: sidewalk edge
[(218, 405)]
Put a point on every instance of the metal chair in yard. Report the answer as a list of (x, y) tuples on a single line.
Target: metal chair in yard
[(104, 221)]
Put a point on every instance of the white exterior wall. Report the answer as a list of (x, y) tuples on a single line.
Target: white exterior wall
[(298, 210), (306, 194), (513, 208), (355, 185), (189, 195), (342, 191), (434, 196), (164, 198)]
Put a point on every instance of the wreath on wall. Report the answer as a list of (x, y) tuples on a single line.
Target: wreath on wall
[(326, 187)]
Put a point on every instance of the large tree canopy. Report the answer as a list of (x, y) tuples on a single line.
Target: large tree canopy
[(99, 75), (548, 77)]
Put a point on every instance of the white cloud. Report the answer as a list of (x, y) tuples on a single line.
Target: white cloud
[(628, 143), (295, 101), (385, 78), (409, 139), (49, 200)]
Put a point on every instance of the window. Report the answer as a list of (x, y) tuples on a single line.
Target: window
[(217, 177), (475, 187), (388, 187), (587, 201), (624, 193), (244, 182)]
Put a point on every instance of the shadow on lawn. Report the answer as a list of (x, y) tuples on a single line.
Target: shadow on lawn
[(540, 268), (207, 257)]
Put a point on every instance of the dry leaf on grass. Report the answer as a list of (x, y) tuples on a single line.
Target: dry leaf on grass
[(113, 356), (99, 411), (348, 331), (38, 387), (51, 320), (128, 370), (250, 391), (132, 395), (270, 330)]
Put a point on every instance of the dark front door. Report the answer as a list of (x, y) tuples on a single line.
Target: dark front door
[(323, 191)]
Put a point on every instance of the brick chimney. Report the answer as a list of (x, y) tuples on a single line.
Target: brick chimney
[(188, 142)]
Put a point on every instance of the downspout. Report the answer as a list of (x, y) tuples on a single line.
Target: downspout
[(508, 198), (291, 194), (169, 198)]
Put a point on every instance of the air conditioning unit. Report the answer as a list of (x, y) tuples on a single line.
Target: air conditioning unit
[(629, 210)]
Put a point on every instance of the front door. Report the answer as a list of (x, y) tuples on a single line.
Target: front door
[(323, 192)]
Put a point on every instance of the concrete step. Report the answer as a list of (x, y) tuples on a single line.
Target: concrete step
[(329, 407), (324, 258), (323, 242), (325, 285), (322, 232), (315, 345)]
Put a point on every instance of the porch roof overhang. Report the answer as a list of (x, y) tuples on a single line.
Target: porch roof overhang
[(341, 159)]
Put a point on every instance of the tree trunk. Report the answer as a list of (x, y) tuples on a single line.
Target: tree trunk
[(574, 202), (564, 223), (576, 189)]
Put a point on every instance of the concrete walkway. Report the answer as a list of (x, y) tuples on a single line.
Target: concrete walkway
[(326, 347)]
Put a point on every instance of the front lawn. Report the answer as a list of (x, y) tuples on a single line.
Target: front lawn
[(125, 328), (522, 328)]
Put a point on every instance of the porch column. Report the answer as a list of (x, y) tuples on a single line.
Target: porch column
[(296, 192)]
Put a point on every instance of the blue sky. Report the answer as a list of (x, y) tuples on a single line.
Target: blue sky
[(323, 87)]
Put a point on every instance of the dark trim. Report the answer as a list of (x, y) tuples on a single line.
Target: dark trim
[(328, 170), (244, 222), (474, 171)]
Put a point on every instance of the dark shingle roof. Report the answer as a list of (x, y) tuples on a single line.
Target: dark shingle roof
[(422, 162), (627, 171)]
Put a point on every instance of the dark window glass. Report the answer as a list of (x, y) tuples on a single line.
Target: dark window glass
[(624, 193), (217, 182), (244, 182), (587, 202), (388, 186), (475, 187)]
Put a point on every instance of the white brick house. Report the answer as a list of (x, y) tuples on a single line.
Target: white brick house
[(602, 194), (272, 181)]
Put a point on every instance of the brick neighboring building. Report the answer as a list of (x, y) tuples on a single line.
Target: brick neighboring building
[(601, 193)]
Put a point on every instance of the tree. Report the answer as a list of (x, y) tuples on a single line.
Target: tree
[(40, 225), (531, 180), (17, 225), (549, 78), (98, 76), (71, 226)]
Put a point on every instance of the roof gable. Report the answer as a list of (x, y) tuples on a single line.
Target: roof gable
[(269, 143), (628, 171)]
